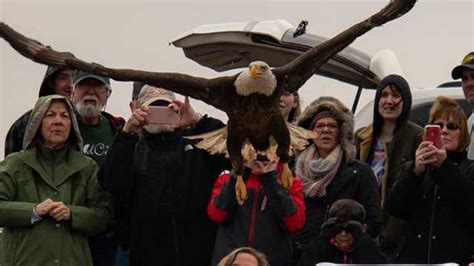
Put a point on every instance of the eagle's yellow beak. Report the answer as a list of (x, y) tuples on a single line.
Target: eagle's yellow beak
[(254, 71)]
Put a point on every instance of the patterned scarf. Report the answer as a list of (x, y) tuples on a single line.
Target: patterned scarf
[(317, 173)]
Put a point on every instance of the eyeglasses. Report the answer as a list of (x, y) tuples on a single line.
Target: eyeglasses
[(449, 125), (321, 127)]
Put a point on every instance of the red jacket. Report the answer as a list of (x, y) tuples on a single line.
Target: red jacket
[(264, 221)]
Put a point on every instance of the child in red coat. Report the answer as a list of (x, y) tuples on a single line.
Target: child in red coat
[(266, 218)]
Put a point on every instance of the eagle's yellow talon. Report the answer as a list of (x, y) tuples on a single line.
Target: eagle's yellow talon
[(240, 190), (286, 177)]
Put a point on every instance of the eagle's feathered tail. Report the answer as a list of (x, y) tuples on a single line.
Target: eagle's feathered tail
[(215, 142)]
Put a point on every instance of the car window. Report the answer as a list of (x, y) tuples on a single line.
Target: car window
[(419, 113)]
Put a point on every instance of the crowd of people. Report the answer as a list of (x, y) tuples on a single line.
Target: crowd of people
[(80, 186)]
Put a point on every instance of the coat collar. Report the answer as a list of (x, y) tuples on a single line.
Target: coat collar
[(70, 162)]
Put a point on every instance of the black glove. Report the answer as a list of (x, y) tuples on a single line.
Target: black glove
[(226, 199), (278, 198)]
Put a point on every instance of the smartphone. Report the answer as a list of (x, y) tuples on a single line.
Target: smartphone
[(433, 134), (162, 115)]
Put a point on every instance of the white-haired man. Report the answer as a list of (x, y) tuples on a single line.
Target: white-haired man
[(98, 128)]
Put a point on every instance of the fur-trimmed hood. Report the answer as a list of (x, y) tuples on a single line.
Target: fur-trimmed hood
[(343, 114)]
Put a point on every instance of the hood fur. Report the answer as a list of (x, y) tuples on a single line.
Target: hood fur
[(344, 116)]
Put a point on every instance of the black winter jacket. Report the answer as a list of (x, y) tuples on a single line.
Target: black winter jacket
[(365, 251), (166, 182), (438, 207), (353, 180)]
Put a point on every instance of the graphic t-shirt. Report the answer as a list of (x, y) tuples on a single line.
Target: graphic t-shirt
[(378, 162), (97, 139)]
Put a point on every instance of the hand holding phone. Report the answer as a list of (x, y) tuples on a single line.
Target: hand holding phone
[(162, 115), (433, 134)]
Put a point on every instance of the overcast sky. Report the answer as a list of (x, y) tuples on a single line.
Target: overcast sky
[(429, 40)]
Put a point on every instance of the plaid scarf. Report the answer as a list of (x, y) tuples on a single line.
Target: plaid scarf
[(317, 173)]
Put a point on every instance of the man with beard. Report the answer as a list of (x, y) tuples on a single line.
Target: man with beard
[(164, 183), (98, 129), (55, 81), (465, 72)]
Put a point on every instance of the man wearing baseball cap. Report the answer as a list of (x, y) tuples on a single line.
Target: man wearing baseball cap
[(98, 129), (465, 72), (164, 183)]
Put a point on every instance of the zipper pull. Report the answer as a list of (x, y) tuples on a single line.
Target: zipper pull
[(264, 203)]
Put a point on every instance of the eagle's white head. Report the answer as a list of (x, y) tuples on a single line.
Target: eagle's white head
[(258, 78)]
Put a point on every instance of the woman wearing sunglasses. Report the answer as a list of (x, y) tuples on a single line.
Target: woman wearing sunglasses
[(435, 193)]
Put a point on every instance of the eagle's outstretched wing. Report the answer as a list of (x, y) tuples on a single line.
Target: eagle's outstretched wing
[(298, 71), (211, 91)]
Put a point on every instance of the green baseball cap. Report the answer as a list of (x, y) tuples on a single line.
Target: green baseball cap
[(81, 75)]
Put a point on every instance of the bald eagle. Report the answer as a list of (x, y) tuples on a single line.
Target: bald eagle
[(250, 98)]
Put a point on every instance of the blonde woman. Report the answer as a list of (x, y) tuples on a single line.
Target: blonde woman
[(435, 193), (244, 256)]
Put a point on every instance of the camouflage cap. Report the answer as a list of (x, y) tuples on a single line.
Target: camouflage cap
[(149, 94), (467, 62)]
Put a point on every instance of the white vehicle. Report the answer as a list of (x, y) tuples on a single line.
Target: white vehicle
[(234, 45)]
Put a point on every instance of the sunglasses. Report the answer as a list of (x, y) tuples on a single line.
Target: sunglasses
[(449, 125), (333, 227)]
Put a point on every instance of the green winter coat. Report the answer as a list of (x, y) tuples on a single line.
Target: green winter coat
[(35, 174)]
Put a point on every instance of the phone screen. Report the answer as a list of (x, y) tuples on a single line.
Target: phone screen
[(162, 115)]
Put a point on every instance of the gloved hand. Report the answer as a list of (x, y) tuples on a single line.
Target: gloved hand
[(279, 199), (226, 200)]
